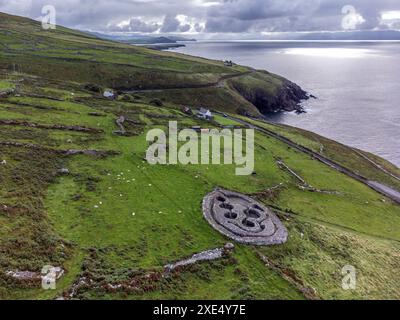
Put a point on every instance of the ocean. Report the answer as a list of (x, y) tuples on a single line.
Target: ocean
[(357, 85)]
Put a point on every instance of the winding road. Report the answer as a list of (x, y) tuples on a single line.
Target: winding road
[(379, 187)]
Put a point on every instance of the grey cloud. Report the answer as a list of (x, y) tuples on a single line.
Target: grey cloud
[(219, 16), (170, 24), (215, 24), (137, 25), (294, 15), (184, 28), (198, 27)]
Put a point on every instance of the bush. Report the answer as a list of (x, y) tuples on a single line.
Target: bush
[(93, 88), (127, 98), (156, 102)]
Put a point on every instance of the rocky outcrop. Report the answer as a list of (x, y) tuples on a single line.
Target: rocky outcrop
[(286, 98), (290, 97), (47, 276), (208, 255), (63, 171)]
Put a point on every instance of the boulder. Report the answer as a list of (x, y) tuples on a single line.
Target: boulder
[(63, 171)]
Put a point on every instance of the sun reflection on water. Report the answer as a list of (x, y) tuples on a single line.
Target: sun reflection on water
[(330, 52)]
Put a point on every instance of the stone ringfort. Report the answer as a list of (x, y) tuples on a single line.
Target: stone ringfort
[(243, 219)]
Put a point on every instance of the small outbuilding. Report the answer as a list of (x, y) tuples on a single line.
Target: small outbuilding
[(109, 94)]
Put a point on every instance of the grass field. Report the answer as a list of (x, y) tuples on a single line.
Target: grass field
[(115, 219)]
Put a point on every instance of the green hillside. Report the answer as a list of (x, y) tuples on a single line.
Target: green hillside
[(112, 221)]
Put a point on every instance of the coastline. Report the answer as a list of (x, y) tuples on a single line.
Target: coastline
[(346, 106), (163, 46)]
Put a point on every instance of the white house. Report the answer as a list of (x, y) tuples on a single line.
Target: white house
[(204, 114), (109, 94)]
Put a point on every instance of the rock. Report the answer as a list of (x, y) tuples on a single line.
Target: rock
[(229, 246), (208, 255), (50, 273), (63, 171), (187, 111), (23, 275)]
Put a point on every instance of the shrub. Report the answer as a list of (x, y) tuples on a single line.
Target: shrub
[(93, 88), (156, 102)]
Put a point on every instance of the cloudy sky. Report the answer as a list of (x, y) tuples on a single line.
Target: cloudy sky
[(206, 18)]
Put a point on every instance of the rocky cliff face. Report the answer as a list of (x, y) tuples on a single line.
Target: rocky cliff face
[(290, 97), (272, 95), (287, 98)]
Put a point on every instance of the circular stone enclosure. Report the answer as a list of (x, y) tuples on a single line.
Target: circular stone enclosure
[(243, 219)]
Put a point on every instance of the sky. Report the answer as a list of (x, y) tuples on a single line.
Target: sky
[(216, 18)]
